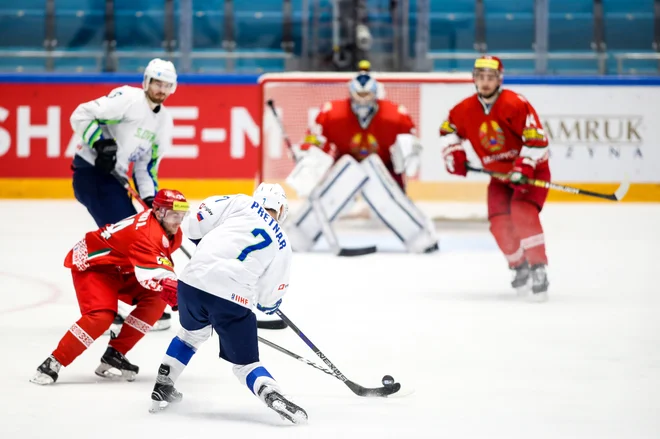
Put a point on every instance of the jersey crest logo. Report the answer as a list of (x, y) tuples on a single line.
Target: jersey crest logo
[(166, 242), (491, 136), (361, 146)]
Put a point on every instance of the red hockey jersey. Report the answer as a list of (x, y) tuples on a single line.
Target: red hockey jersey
[(344, 135), (137, 244), (499, 133)]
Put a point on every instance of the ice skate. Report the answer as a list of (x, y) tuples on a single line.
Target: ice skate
[(115, 365), (164, 392), (47, 372), (540, 283), (163, 323), (521, 279), (285, 408)]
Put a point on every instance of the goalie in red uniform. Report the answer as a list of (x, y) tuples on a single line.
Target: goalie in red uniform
[(131, 261), (506, 133), (364, 145)]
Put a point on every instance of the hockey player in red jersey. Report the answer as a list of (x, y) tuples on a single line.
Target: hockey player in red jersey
[(506, 133), (130, 261), (362, 125)]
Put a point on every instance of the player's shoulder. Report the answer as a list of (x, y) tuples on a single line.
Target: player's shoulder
[(126, 93), (392, 107), (337, 106), (513, 98), (466, 103)]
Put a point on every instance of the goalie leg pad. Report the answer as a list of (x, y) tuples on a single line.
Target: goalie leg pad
[(395, 209), (333, 196)]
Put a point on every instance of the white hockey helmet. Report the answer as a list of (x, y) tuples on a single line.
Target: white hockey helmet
[(272, 196), (161, 70), (363, 91)]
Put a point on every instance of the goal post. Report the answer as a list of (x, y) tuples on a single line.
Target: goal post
[(299, 96)]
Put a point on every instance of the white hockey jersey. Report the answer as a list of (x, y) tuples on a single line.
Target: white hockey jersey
[(243, 255), (142, 136)]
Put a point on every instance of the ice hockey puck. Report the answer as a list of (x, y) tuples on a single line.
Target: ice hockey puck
[(388, 381)]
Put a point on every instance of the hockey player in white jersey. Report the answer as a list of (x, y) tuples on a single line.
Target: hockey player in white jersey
[(242, 260), (129, 125)]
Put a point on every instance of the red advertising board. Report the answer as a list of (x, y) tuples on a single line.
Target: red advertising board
[(216, 134)]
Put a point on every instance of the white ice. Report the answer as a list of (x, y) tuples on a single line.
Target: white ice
[(482, 363)]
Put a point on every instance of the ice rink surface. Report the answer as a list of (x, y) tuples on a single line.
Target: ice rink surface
[(482, 363)]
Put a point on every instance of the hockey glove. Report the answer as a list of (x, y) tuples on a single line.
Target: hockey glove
[(269, 309), (455, 160), (523, 170), (168, 293), (149, 201), (106, 158)]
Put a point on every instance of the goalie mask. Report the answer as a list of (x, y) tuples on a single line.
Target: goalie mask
[(363, 91), (162, 71), (272, 196)]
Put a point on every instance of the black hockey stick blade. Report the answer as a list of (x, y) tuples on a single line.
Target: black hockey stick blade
[(271, 324), (361, 251), (373, 392)]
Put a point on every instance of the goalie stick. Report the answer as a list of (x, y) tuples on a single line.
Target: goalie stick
[(616, 196), (317, 209), (389, 385)]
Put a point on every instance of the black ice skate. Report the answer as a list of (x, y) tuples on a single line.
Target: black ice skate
[(285, 408), (540, 283), (163, 323), (164, 392), (521, 278), (113, 360), (47, 372)]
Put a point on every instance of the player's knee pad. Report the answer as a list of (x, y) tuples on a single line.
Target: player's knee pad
[(333, 196), (525, 217), (196, 337), (253, 375), (395, 209)]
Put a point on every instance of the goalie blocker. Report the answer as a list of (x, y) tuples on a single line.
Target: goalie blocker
[(336, 191)]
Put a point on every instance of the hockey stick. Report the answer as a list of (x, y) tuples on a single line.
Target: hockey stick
[(616, 196), (317, 209), (389, 385), (296, 356)]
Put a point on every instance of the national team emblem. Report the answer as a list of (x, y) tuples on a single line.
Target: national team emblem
[(361, 146), (166, 242), (491, 136)]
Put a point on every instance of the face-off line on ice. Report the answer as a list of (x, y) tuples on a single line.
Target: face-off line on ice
[(242, 245)]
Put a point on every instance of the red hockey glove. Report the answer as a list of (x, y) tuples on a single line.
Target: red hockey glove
[(455, 160), (523, 170), (168, 293)]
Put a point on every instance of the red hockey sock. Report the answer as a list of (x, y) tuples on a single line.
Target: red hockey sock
[(82, 334), (503, 230), (138, 323), (527, 224)]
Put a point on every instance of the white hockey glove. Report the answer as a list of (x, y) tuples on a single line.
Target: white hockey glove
[(309, 171), (405, 154)]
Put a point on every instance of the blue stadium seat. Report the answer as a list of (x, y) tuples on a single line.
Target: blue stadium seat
[(571, 25), (139, 24), (22, 28), (208, 24), (509, 25), (628, 24), (80, 25), (258, 24)]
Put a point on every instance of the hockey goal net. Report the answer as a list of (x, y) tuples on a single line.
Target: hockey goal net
[(298, 98)]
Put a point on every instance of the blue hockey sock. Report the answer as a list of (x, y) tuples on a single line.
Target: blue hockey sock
[(178, 356)]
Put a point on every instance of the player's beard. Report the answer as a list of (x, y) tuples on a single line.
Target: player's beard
[(156, 98), (490, 95)]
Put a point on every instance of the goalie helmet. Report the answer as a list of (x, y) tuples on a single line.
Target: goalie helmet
[(363, 91), (272, 196), (161, 70)]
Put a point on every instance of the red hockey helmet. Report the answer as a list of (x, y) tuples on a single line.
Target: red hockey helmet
[(171, 199)]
